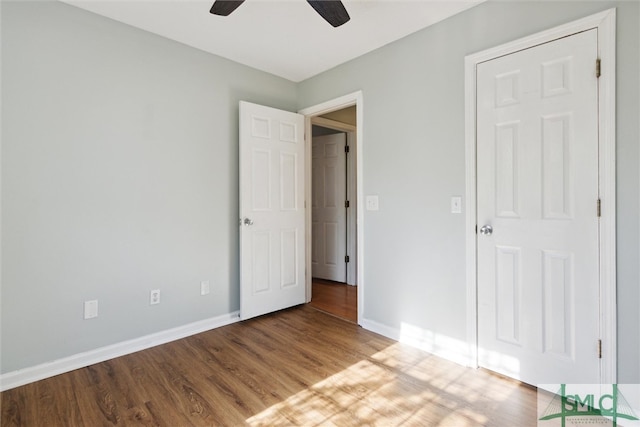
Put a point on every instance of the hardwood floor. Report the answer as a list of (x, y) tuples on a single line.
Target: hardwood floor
[(297, 367), (335, 298)]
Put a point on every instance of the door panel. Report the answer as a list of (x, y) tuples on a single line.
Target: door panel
[(508, 294), (537, 180), (271, 210), (329, 213)]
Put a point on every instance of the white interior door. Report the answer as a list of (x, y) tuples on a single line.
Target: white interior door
[(272, 220), (329, 215), (537, 178)]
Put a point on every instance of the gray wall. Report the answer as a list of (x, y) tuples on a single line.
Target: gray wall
[(414, 160), (119, 175)]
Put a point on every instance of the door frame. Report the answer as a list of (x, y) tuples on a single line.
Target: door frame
[(350, 132), (339, 103), (605, 23)]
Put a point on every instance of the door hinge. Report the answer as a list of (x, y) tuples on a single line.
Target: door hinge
[(599, 349), (599, 208), (346, 258), (346, 148), (346, 203), (598, 70)]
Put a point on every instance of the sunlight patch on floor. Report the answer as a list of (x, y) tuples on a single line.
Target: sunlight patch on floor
[(397, 386)]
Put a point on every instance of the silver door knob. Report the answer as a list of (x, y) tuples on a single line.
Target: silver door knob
[(248, 221), (486, 230)]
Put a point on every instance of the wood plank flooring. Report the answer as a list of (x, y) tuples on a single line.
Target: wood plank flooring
[(335, 298), (297, 367)]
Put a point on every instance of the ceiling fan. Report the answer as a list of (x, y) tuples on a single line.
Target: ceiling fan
[(333, 11)]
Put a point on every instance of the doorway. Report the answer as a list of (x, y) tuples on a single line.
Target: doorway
[(344, 116), (333, 216)]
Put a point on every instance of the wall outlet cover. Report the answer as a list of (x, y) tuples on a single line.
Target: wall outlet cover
[(154, 297), (91, 309), (205, 288)]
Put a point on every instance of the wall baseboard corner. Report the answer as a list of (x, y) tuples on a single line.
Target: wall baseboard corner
[(448, 348), (31, 374)]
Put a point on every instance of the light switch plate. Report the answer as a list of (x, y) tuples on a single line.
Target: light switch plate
[(456, 204)]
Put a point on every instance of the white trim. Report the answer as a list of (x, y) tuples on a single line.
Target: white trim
[(46, 370), (332, 124), (438, 345), (339, 103), (382, 329), (605, 23), (352, 220), (607, 154), (355, 98)]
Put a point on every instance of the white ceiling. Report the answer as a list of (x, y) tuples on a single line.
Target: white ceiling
[(283, 37)]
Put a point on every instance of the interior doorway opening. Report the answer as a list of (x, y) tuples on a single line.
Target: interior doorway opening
[(324, 114), (334, 212)]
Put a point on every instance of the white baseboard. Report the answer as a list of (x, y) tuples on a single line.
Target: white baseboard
[(35, 373), (439, 345), (379, 328)]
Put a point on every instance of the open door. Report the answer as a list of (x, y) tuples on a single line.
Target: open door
[(272, 211)]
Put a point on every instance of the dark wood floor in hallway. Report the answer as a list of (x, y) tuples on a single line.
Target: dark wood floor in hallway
[(335, 298)]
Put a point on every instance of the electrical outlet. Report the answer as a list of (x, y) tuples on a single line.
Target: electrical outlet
[(205, 288), (154, 297), (91, 309)]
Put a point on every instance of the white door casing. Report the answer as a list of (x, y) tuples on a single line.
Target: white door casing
[(329, 220), (352, 212), (537, 184), (272, 213), (311, 113)]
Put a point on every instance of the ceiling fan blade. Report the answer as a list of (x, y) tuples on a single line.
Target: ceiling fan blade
[(333, 11), (225, 7)]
